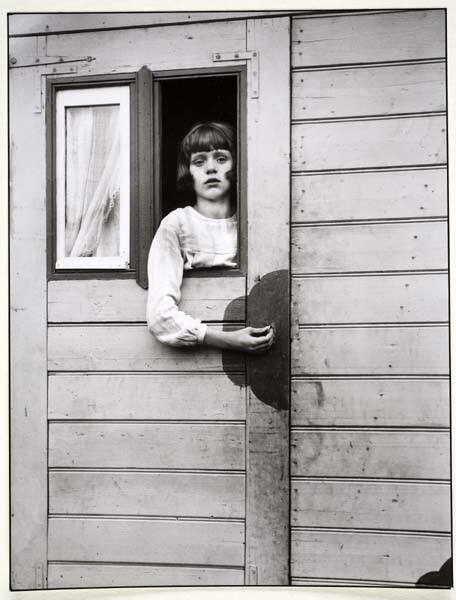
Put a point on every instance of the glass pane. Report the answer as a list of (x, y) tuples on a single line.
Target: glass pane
[(92, 195)]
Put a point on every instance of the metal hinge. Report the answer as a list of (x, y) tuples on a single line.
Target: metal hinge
[(36, 55), (251, 57), (39, 577)]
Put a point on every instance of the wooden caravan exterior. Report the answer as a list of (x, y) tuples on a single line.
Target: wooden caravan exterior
[(370, 496), (326, 461)]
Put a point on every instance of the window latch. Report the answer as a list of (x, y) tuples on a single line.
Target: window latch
[(251, 58)]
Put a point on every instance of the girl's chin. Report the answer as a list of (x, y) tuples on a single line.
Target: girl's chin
[(216, 196)]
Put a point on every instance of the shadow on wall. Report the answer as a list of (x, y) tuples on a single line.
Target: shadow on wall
[(441, 578), (268, 303)]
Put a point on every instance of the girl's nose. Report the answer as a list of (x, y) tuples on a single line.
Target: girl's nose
[(211, 166)]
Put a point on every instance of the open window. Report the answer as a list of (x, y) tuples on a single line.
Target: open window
[(183, 99)]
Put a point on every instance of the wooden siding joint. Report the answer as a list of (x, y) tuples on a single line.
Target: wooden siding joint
[(251, 57)]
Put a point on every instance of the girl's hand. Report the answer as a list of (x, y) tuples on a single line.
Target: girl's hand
[(254, 340)]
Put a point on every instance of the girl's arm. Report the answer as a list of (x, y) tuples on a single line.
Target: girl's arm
[(171, 325), (165, 269)]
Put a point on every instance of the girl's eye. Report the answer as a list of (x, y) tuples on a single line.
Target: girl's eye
[(222, 159), (198, 163)]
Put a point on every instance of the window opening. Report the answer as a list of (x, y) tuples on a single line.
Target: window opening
[(185, 101)]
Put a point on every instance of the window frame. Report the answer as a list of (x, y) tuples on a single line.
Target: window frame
[(55, 85), (145, 173)]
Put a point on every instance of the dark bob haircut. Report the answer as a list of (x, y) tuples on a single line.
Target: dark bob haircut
[(204, 137)]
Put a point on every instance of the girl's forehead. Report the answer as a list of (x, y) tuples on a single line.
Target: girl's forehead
[(212, 151)]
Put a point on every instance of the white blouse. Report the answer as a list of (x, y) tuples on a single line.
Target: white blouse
[(185, 240)]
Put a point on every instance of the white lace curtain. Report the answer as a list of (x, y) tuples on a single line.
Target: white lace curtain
[(92, 181)]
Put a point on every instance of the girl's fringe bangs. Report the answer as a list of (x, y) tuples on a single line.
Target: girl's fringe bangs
[(207, 138)]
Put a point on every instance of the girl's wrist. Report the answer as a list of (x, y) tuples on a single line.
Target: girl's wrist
[(219, 339)]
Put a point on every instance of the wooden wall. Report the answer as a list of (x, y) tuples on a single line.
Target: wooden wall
[(369, 391), (370, 455), (146, 443)]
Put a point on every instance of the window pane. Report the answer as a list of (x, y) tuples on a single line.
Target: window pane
[(92, 173)]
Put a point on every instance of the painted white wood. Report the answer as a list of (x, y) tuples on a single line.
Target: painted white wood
[(130, 347), (160, 48), (351, 555), (93, 575), (20, 24), (156, 494), (268, 185), (376, 247), (362, 453), (146, 445), (28, 387), (372, 505), (378, 195), (98, 300), (65, 99), (393, 142), (373, 299), (130, 396), (368, 38), (127, 346), (370, 402), (312, 581), (371, 351), (387, 90), (146, 541)]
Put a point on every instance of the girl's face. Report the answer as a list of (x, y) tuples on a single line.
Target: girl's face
[(209, 171)]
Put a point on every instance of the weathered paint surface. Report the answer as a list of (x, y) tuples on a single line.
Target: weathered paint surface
[(370, 398)]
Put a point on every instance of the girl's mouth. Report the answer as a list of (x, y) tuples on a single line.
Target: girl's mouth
[(212, 181)]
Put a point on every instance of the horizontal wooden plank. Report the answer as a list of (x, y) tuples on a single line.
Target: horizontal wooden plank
[(156, 494), (384, 90), (403, 558), (387, 402), (132, 347), (148, 445), (26, 24), (392, 142), (92, 575), (410, 298), (146, 541), (358, 453), (368, 38), (92, 300), (371, 351), (136, 396), (161, 48), (372, 505), (369, 195), (379, 247)]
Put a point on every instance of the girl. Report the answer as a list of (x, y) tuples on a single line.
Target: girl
[(203, 235)]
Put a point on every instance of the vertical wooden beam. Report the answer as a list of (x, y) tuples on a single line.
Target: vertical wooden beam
[(268, 198), (28, 326), (145, 172)]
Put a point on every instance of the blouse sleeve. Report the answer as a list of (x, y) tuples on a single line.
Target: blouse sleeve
[(165, 270)]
